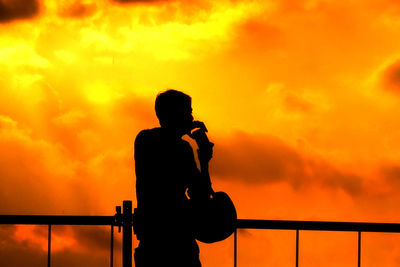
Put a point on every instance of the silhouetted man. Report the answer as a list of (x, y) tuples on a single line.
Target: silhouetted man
[(166, 178)]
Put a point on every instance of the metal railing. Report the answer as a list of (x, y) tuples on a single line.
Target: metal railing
[(358, 227), (124, 219)]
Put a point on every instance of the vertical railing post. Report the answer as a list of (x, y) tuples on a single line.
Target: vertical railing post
[(127, 234), (112, 246), (49, 247), (235, 248), (359, 249), (297, 247)]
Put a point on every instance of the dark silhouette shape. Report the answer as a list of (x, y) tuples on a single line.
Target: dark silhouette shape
[(175, 200), (18, 9), (166, 175), (215, 218)]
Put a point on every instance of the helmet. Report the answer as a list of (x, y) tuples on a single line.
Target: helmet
[(215, 218)]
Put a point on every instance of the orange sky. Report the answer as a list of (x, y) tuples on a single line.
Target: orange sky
[(300, 98)]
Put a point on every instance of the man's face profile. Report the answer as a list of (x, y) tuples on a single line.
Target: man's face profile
[(187, 117)]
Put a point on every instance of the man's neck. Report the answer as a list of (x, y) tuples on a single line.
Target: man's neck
[(173, 132)]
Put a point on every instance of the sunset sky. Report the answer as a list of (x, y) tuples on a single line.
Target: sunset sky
[(300, 97)]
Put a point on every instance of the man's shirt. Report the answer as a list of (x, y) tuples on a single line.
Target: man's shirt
[(165, 170)]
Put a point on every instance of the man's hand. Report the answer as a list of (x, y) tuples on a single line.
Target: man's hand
[(199, 125), (205, 151)]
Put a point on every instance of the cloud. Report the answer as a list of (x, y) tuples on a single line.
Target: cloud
[(26, 168), (38, 176), (259, 33), (91, 247), (77, 9), (186, 12), (14, 253), (267, 159), (18, 9), (391, 175), (95, 238), (296, 103), (255, 36), (138, 110), (26, 245), (391, 77), (256, 158), (138, 1)]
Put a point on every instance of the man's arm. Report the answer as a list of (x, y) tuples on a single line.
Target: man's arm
[(200, 187), (205, 155)]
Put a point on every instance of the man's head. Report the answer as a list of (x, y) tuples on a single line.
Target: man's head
[(174, 110)]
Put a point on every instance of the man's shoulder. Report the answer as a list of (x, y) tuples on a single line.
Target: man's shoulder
[(158, 136), (147, 135), (149, 132)]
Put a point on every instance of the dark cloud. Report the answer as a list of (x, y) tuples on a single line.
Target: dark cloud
[(320, 171), (92, 249), (96, 237), (256, 159), (391, 77), (14, 253), (77, 10), (71, 258), (18, 9), (391, 173), (266, 159)]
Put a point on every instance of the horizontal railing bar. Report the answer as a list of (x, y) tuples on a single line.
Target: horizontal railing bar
[(241, 223), (319, 226), (56, 219)]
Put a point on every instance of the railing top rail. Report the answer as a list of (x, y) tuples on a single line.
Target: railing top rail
[(57, 219), (241, 223), (319, 226)]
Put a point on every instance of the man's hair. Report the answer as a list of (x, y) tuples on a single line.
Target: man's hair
[(170, 103)]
